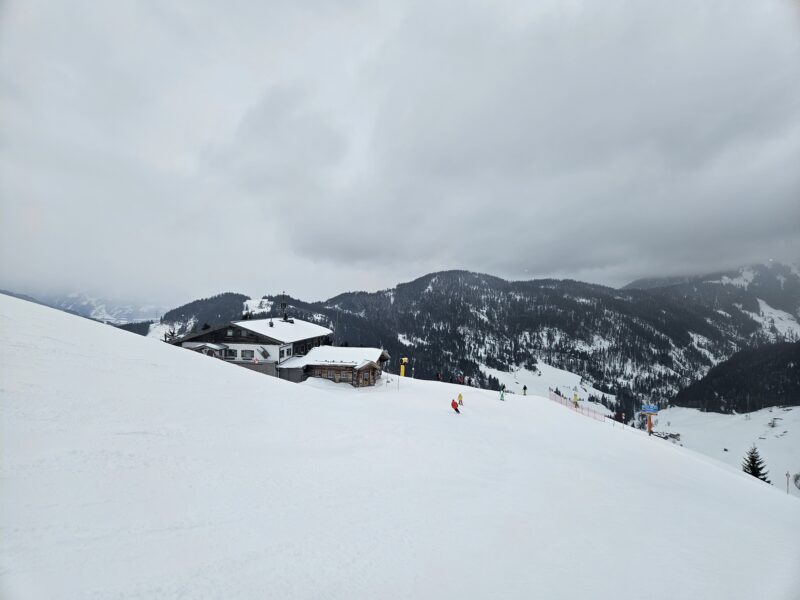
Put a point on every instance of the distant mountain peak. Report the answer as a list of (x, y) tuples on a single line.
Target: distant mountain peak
[(109, 310)]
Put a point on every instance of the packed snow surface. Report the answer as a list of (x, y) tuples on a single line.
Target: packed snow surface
[(546, 378), (134, 469), (774, 431)]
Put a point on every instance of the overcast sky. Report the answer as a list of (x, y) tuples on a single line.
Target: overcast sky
[(170, 150)]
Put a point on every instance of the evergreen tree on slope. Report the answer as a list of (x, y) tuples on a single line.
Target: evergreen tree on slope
[(754, 465)]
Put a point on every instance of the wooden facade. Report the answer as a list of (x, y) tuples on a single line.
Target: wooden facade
[(233, 334), (367, 375), (304, 351), (243, 346)]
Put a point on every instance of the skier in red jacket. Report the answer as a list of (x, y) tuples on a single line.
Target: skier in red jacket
[(454, 404)]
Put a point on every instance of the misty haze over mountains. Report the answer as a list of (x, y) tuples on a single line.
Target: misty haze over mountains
[(117, 310)]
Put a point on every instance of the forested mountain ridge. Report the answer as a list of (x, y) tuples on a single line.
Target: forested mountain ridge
[(750, 380), (216, 309), (775, 284), (643, 343), (652, 342)]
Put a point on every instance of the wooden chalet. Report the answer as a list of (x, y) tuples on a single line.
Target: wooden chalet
[(342, 364), (258, 344)]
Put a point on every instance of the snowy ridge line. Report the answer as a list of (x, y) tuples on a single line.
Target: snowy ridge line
[(587, 412)]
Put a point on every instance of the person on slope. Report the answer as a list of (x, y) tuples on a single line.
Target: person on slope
[(460, 399), (575, 400), (454, 404)]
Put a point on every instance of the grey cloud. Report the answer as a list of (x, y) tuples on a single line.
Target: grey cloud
[(355, 145), (279, 143), (572, 136)]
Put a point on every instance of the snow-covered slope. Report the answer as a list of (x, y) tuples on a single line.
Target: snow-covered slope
[(775, 430), (159, 330), (728, 437), (547, 377), (776, 324), (258, 306), (134, 469)]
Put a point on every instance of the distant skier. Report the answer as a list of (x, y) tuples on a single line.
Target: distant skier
[(575, 401), (460, 399), (503, 393), (524, 390), (454, 404)]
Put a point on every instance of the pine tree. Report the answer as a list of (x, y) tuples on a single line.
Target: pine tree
[(754, 465)]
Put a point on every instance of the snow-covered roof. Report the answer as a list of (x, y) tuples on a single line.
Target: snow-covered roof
[(338, 356), (210, 345), (293, 330)]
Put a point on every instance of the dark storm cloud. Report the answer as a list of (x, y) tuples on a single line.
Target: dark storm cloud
[(253, 147)]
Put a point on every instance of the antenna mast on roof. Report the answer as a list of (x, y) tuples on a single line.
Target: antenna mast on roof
[(271, 310)]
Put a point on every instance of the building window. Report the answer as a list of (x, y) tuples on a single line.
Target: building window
[(230, 354), (347, 376), (365, 376), (331, 374), (323, 373), (245, 333), (229, 333), (248, 354)]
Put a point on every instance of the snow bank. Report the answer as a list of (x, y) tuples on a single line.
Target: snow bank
[(135, 469)]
